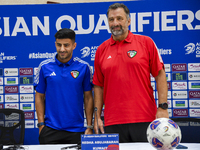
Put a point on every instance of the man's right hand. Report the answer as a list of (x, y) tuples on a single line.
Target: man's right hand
[(100, 124), (40, 128)]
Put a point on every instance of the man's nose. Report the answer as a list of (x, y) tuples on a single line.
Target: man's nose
[(115, 22), (62, 48)]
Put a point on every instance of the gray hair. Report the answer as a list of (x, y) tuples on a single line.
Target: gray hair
[(118, 5)]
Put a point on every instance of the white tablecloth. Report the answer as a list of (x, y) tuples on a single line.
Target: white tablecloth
[(122, 146)]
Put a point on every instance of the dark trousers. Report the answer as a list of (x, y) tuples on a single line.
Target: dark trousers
[(133, 132), (52, 136)]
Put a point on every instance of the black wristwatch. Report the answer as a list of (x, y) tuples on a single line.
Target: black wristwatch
[(163, 105), (40, 124)]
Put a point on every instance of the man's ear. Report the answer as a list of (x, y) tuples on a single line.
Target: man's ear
[(129, 21), (55, 43), (74, 45)]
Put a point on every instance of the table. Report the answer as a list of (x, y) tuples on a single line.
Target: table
[(122, 146)]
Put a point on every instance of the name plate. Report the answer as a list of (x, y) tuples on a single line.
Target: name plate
[(100, 142)]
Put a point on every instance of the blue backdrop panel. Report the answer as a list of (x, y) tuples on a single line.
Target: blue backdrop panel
[(27, 38)]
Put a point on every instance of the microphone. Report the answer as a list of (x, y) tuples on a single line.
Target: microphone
[(77, 146), (14, 147), (95, 111)]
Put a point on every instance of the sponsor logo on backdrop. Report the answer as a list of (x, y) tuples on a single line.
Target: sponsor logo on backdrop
[(1, 98), (194, 85), (1, 81), (179, 67), (26, 97), (35, 115), (85, 122), (25, 71), (3, 57), (152, 78), (11, 98), (169, 85), (179, 94), (194, 112), (194, 103), (191, 48), (165, 51), (1, 89), (153, 85), (194, 123), (35, 70), (183, 124), (12, 105), (168, 95), (29, 115), (26, 106), (180, 112), (169, 102), (170, 112), (89, 52), (98, 22), (179, 76), (167, 67), (12, 116), (26, 80), (194, 94), (92, 69), (26, 89), (11, 89), (39, 55), (168, 76), (10, 72), (180, 103), (10, 123), (1, 106), (194, 76), (179, 85), (193, 66), (11, 80), (36, 122), (85, 52), (29, 123)]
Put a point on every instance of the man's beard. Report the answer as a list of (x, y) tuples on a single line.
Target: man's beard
[(63, 57), (117, 32)]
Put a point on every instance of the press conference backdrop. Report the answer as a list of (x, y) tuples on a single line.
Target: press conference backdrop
[(27, 38)]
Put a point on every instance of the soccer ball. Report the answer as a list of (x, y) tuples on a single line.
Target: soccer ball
[(163, 134)]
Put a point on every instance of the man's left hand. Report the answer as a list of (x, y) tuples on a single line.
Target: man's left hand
[(89, 131)]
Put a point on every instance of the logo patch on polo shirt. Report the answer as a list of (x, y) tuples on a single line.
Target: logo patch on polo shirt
[(53, 74), (74, 73), (131, 53)]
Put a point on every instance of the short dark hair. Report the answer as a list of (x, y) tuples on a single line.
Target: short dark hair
[(119, 5), (65, 33)]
